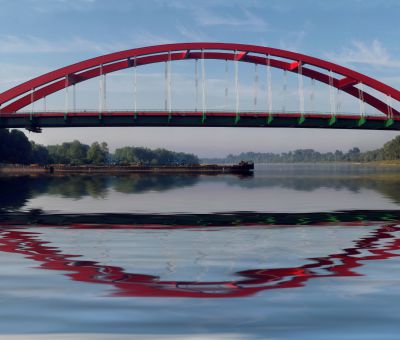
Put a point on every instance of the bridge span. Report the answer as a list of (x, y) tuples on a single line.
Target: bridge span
[(369, 92)]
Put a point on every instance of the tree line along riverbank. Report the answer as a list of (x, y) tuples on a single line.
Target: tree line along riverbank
[(388, 154), (15, 148)]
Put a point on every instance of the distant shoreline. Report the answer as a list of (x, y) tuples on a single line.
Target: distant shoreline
[(372, 163)]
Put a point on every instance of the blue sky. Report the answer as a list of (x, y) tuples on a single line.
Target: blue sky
[(40, 35)]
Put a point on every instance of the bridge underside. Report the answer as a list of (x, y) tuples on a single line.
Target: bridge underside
[(35, 122)]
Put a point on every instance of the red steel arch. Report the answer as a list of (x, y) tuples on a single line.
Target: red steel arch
[(37, 88)]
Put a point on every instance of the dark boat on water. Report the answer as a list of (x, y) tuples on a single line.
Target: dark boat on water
[(240, 168)]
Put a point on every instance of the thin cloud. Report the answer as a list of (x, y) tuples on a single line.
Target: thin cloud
[(192, 34), (247, 22), (293, 40), (14, 74), (13, 44), (51, 6), (363, 53), (32, 44), (194, 5), (146, 39)]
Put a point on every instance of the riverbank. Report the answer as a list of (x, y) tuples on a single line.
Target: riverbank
[(395, 163), (23, 169)]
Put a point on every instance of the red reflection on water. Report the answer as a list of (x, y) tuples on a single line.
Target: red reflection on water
[(250, 282)]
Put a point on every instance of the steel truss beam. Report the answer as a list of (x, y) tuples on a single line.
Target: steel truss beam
[(194, 119)]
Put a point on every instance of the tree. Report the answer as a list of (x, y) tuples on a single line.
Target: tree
[(391, 149), (145, 156), (18, 148), (97, 153), (124, 155), (77, 153), (39, 154), (68, 153), (4, 145)]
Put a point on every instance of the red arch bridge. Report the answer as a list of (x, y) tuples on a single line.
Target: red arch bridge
[(369, 92)]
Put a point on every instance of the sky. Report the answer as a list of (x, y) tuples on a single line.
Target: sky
[(38, 36)]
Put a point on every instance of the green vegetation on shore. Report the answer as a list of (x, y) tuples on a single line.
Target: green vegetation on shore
[(129, 155), (15, 148), (389, 153)]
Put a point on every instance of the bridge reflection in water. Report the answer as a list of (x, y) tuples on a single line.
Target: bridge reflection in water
[(380, 243)]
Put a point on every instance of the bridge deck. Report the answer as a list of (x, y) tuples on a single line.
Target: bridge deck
[(38, 120)]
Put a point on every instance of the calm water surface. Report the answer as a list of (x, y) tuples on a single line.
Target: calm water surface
[(75, 261)]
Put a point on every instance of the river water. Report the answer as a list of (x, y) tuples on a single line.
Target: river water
[(293, 252)]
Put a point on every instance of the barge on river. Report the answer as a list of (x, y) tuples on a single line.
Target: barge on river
[(240, 168)]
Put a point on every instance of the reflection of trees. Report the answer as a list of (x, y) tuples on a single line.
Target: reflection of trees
[(387, 184), (14, 192), (300, 183), (138, 183), (17, 190), (389, 188), (73, 186)]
